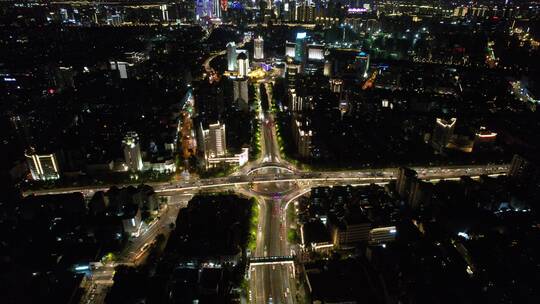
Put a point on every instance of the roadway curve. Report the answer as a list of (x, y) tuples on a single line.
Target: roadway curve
[(272, 283)]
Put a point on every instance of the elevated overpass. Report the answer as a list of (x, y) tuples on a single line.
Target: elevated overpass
[(381, 175), (271, 260)]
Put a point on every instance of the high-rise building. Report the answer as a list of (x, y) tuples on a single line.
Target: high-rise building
[(300, 47), (316, 52), (214, 147), (241, 93), (122, 67), (293, 97), (404, 181), (336, 85), (231, 56), (42, 166), (64, 15), (204, 8), (64, 77), (362, 64), (115, 19), (299, 102), (328, 68), (293, 69), (520, 168), (382, 235), (305, 12), (420, 194), (217, 9), (132, 152), (164, 12), (443, 131), (460, 11), (215, 143), (303, 137), (258, 48), (289, 49), (243, 65), (24, 136), (350, 232)]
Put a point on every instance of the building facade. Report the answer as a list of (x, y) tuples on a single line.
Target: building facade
[(241, 93), (258, 48), (132, 152), (42, 166), (404, 181), (442, 132), (243, 64), (215, 141), (231, 56)]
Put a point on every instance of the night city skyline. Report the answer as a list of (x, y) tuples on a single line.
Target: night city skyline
[(254, 151)]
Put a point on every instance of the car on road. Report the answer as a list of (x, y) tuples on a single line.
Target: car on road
[(145, 246)]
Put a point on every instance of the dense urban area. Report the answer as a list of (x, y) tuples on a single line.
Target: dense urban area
[(259, 151)]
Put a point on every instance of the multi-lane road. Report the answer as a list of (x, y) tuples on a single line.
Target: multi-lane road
[(100, 281), (316, 178), (272, 283), (275, 183)]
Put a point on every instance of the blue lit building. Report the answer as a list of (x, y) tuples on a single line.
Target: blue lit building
[(300, 47)]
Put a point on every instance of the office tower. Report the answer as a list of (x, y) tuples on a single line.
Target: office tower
[(382, 235), (258, 45), (286, 12), (231, 56), (299, 102), (305, 13), (372, 26), (64, 15), (293, 98), (289, 49), (243, 65), (269, 4), (215, 144), (241, 93), (316, 52), (351, 231), (64, 77), (132, 152), (164, 12), (443, 131), (214, 147), (328, 69), (122, 67), (460, 11), (24, 136), (304, 102), (300, 47), (115, 19), (404, 181), (521, 168), (42, 166), (421, 194), (362, 64), (336, 85), (224, 5), (293, 69), (303, 135), (217, 9), (204, 8)]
